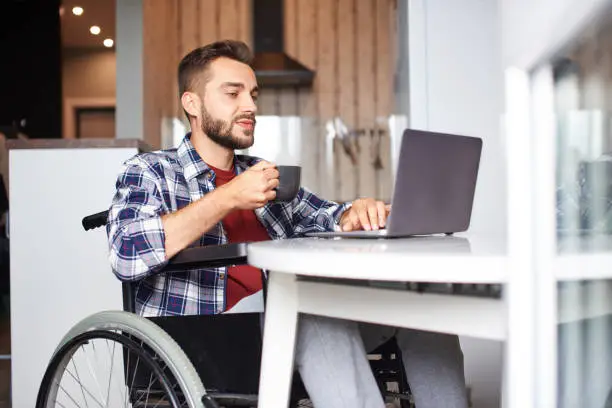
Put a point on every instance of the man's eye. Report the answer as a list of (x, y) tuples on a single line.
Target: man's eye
[(255, 97), (233, 94)]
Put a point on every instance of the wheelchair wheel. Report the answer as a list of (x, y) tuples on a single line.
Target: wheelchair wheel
[(118, 359)]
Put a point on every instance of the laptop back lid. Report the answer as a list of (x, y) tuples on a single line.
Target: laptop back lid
[(435, 183)]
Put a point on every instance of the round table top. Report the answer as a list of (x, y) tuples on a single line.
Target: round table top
[(460, 259)]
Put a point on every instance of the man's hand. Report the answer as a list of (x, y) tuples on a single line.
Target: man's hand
[(253, 188), (365, 213)]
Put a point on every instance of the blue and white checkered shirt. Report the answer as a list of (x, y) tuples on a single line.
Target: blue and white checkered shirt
[(153, 184)]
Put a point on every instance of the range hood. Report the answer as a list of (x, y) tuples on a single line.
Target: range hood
[(273, 67)]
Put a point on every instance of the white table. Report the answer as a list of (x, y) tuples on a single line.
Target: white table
[(426, 259)]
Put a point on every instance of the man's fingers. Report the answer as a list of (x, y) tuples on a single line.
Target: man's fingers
[(272, 184), (372, 210), (347, 225), (351, 221), (270, 195), (367, 214), (382, 213), (262, 165), (271, 173), (362, 214)]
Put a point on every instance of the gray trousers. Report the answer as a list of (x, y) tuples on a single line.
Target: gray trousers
[(332, 361)]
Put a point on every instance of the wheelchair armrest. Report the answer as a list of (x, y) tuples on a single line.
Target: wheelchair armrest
[(208, 257), (194, 258), (190, 258)]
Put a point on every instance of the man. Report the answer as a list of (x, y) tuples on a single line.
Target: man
[(203, 194)]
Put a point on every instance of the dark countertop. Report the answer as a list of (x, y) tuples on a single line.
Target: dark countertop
[(77, 144)]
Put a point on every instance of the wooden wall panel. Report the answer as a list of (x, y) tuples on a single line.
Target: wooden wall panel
[(171, 59), (160, 46), (209, 28), (244, 20), (346, 84), (365, 101), (189, 38), (228, 23), (189, 12), (349, 43), (291, 26), (267, 102), (288, 98), (354, 48), (385, 45), (325, 87)]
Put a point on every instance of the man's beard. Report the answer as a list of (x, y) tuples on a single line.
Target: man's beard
[(220, 131)]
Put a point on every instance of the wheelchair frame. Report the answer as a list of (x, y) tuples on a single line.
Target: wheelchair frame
[(160, 345)]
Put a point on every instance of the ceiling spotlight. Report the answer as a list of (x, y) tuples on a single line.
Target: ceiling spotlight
[(77, 11), (108, 43), (95, 30)]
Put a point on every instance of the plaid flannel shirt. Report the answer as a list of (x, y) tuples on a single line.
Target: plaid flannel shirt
[(153, 184)]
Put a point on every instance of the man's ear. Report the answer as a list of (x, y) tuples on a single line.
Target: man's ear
[(191, 103)]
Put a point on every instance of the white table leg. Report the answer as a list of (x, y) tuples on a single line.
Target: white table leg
[(279, 341)]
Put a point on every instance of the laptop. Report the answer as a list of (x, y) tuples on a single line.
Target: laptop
[(434, 187)]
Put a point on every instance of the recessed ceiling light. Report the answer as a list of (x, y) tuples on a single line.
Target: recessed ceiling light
[(95, 30), (77, 11), (108, 43)]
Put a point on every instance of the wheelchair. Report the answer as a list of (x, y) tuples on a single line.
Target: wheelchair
[(120, 359)]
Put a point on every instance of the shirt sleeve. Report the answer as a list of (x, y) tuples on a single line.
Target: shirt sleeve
[(134, 228), (313, 214)]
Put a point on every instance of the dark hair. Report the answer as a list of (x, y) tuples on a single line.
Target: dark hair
[(198, 60)]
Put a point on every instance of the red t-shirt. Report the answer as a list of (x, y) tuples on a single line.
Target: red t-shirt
[(240, 226)]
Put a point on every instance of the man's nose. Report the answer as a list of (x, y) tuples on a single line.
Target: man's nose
[(249, 104)]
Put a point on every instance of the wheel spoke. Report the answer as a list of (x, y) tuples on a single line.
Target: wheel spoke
[(91, 370), (149, 389), (60, 404), (110, 373), (133, 376), (127, 371), (83, 388), (68, 395), (158, 402), (76, 371), (69, 370), (121, 385), (142, 395)]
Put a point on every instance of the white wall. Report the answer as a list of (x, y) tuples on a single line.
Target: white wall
[(456, 86), (59, 272)]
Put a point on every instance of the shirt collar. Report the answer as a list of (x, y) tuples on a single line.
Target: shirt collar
[(193, 165)]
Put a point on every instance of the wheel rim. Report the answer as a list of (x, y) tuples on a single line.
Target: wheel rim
[(104, 368)]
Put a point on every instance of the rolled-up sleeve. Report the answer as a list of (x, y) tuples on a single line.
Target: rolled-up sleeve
[(134, 228), (313, 214)]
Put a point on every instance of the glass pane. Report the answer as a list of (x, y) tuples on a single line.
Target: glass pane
[(583, 105), (585, 344)]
